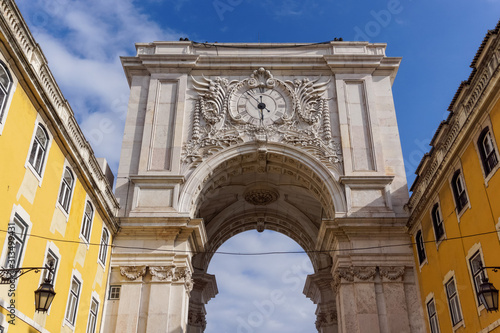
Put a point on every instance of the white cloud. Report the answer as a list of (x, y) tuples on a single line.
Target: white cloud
[(249, 286), (83, 40)]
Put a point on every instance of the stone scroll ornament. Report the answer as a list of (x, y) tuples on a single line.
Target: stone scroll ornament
[(260, 108)]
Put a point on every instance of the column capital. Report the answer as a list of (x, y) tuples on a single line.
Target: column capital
[(133, 272)]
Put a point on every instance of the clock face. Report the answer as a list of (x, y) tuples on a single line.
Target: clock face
[(261, 106)]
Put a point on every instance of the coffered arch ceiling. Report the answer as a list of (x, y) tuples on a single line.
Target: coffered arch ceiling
[(273, 187)]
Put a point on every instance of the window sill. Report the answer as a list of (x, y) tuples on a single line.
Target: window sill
[(462, 211), (459, 325), (491, 174), (84, 241), (66, 214), (425, 262), (68, 324)]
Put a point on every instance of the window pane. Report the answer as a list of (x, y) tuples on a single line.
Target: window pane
[(41, 137), (4, 78)]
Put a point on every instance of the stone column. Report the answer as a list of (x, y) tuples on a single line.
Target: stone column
[(168, 298), (318, 288), (127, 319), (356, 299), (205, 288), (393, 289)]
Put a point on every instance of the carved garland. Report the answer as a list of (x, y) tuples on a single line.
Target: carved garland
[(133, 272), (392, 273), (306, 123)]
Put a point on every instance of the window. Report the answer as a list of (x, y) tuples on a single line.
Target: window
[(88, 215), (5, 85), (475, 263), (66, 189), (51, 258), (103, 250), (39, 149), (457, 183), (420, 247), (433, 319), (114, 292), (437, 223), (74, 295), (487, 151), (94, 307), (17, 233), (453, 302)]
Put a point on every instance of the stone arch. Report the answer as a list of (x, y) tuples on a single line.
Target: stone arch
[(308, 169), (253, 186)]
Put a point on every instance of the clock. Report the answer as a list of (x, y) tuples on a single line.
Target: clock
[(259, 105)]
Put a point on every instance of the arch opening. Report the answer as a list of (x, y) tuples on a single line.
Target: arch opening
[(260, 293)]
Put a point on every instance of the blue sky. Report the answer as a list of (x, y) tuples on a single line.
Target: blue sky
[(83, 39)]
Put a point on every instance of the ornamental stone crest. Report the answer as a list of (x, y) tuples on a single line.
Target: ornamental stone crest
[(133, 272), (162, 273), (260, 108)]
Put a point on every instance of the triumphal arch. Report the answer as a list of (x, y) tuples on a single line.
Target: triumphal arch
[(301, 139)]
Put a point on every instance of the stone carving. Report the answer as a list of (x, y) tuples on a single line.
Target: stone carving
[(324, 319), (133, 272), (217, 123), (261, 225), (173, 274), (345, 273), (364, 272), (392, 273), (261, 197), (183, 273), (162, 273), (197, 319)]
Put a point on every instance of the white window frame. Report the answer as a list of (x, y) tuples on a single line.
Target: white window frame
[(421, 264), (58, 204), (458, 167), (448, 278), (8, 101), (430, 298), (110, 292), (54, 250), (95, 297), (471, 253), (24, 216), (438, 203), (487, 124), (78, 277), (27, 163), (91, 222), (99, 260)]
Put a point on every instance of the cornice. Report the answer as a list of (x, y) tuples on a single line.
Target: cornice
[(469, 104), (337, 56), (34, 67)]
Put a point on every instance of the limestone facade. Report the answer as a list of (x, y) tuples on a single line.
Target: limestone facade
[(301, 139)]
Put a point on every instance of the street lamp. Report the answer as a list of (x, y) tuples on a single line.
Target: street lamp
[(487, 293), (44, 295)]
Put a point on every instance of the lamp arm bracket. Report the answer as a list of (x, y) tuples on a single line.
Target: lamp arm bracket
[(9, 275)]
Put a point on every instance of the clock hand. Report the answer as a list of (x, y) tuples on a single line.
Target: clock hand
[(252, 96)]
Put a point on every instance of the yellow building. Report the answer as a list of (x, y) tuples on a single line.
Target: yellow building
[(455, 212), (56, 203)]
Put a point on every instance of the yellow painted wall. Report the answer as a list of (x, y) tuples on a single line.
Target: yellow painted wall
[(480, 218), (18, 186)]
